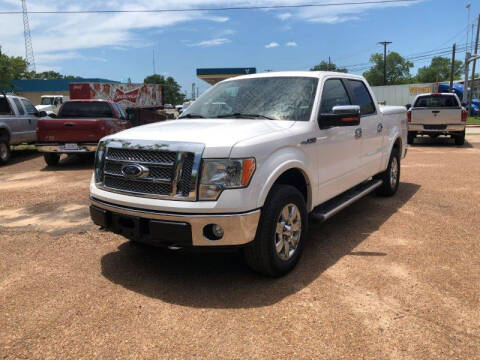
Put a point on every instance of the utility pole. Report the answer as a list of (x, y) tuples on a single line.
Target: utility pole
[(470, 94), (385, 43), (329, 64), (452, 68), (193, 91), (154, 69)]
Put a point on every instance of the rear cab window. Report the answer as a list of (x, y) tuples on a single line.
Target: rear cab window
[(361, 97), (86, 109), (436, 101)]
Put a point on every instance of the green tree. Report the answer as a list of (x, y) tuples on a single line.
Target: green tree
[(398, 69), (325, 66), (439, 70), (11, 68), (173, 94)]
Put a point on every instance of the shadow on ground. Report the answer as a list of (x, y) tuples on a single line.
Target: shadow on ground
[(440, 141), (19, 155), (222, 280), (72, 162)]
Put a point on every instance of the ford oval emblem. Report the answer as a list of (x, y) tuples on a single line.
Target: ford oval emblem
[(135, 171)]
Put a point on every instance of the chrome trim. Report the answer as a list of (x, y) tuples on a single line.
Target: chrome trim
[(239, 229), (57, 148), (178, 171), (151, 145)]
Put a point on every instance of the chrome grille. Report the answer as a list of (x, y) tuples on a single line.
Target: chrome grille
[(171, 174)]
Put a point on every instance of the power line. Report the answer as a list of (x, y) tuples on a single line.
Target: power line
[(266, 7)]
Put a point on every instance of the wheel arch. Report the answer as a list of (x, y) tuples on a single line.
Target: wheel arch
[(5, 131)]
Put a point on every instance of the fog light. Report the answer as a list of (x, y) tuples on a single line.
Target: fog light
[(213, 232)]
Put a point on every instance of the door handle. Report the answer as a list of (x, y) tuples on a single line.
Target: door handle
[(358, 133), (379, 127)]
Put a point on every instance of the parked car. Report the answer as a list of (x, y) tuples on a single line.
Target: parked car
[(78, 127), (294, 143), (51, 103), (18, 120), (437, 114)]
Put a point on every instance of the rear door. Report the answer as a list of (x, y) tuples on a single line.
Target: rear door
[(436, 109), (21, 123), (371, 123)]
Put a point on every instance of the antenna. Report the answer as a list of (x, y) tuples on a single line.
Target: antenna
[(154, 68), (28, 38)]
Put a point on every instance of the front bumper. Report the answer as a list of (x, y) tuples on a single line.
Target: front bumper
[(159, 228), (63, 148), (444, 128)]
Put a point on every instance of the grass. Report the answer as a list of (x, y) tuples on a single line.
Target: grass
[(473, 120)]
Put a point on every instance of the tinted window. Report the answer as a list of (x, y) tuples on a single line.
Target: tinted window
[(4, 106), (279, 98), (19, 106), (361, 97), (333, 94), (29, 107), (78, 109), (436, 101), (120, 111)]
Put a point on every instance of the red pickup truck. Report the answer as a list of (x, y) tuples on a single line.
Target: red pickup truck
[(78, 127)]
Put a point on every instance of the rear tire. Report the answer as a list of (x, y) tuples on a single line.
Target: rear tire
[(460, 139), (5, 152), (51, 159), (281, 233), (411, 137), (391, 176)]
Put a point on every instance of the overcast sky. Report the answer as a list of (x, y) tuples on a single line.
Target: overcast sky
[(118, 46)]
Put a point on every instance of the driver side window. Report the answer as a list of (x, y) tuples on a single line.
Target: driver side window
[(333, 94)]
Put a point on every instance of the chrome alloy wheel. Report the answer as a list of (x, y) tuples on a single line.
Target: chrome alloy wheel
[(3, 151), (288, 231), (394, 172)]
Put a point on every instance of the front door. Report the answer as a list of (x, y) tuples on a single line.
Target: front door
[(338, 148)]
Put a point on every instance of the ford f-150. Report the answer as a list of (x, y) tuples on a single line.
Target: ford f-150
[(247, 162)]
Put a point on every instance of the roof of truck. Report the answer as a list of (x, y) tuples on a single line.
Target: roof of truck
[(313, 74)]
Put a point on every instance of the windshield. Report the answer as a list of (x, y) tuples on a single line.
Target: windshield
[(78, 109), (47, 101), (277, 98)]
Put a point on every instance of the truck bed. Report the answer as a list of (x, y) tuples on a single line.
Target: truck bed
[(71, 130)]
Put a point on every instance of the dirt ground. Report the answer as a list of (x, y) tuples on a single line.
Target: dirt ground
[(387, 278)]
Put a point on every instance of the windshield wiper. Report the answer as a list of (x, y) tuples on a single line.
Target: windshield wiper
[(191, 116), (244, 116)]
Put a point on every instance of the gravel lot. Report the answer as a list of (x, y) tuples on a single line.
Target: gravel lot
[(385, 278)]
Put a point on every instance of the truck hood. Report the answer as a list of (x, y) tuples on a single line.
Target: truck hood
[(218, 135)]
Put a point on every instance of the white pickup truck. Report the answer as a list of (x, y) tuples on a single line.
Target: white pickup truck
[(247, 173), (18, 121), (437, 114), (51, 103)]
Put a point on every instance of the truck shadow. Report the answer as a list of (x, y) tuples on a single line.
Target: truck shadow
[(222, 280), (72, 162), (20, 155), (441, 141)]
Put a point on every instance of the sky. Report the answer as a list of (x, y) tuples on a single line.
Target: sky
[(121, 46)]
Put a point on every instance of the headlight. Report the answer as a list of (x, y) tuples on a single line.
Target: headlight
[(100, 161), (218, 175)]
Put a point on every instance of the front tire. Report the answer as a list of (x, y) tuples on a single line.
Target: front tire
[(281, 233), (51, 159), (391, 176), (460, 139), (5, 152)]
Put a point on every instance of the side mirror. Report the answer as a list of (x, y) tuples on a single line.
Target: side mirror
[(41, 114), (53, 115), (341, 115), (408, 106), (464, 104)]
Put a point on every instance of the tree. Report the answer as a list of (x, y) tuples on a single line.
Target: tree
[(439, 70), (11, 68), (398, 69), (173, 95), (325, 66)]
